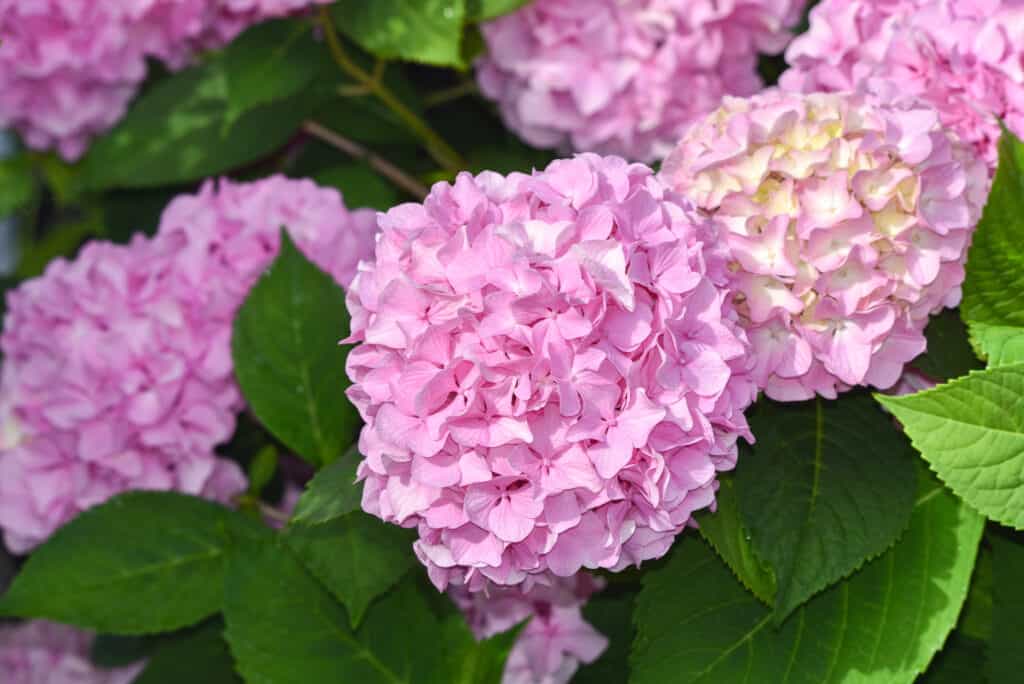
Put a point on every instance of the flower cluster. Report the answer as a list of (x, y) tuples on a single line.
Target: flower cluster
[(555, 640), (117, 368), (550, 373), (42, 652), (848, 218), (625, 78), (70, 68), (964, 58)]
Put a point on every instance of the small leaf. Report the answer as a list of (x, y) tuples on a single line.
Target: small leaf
[(724, 530), (262, 468), (357, 557), (696, 623), (970, 432), (287, 359), (428, 31), (482, 10), (143, 562), (199, 656), (1006, 658), (332, 493), (818, 496)]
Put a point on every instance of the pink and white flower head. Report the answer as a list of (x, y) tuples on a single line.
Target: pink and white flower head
[(848, 217), (41, 652), (555, 640), (550, 372), (69, 68), (117, 368), (625, 76), (964, 57)]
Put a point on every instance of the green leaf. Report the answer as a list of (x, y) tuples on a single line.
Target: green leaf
[(949, 353), (696, 623), (332, 493), (817, 498), (428, 31), (976, 617), (1006, 658), (970, 432), (199, 656), (175, 132), (611, 613), (287, 359), (994, 289), (285, 628), (262, 468), (961, 660), (273, 61), (357, 557), (1002, 345), (63, 240), (17, 184), (143, 562), (110, 650), (360, 185), (482, 10), (724, 530)]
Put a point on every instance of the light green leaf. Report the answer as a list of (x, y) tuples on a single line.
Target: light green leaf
[(724, 530), (175, 132), (143, 562), (332, 493), (482, 10), (273, 61), (817, 496), (357, 557), (1002, 345), (287, 359), (696, 623), (1006, 655), (428, 31), (199, 656), (970, 432)]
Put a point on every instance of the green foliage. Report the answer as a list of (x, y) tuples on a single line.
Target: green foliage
[(262, 468), (482, 10), (949, 353), (1006, 657), (199, 656), (696, 623), (427, 31), (287, 358), (970, 432), (332, 493), (816, 497), (143, 562), (611, 613), (360, 185), (17, 184)]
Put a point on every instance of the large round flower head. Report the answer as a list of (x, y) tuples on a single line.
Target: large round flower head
[(117, 368), (625, 76), (549, 371), (555, 640), (848, 217), (69, 68), (41, 652), (965, 57)]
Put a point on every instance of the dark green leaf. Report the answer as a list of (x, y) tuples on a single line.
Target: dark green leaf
[(611, 613), (262, 468), (976, 618), (287, 358), (143, 562), (360, 185), (17, 184), (1006, 657), (273, 61), (199, 656), (332, 493), (63, 240), (724, 530), (970, 432), (961, 660), (482, 10), (176, 133), (696, 623), (110, 651), (949, 353), (428, 31), (828, 486), (357, 557)]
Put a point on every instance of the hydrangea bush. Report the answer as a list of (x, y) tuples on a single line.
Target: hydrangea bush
[(511, 341)]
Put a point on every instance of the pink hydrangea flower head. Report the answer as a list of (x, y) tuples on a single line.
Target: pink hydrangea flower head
[(41, 652), (625, 77), (70, 68), (549, 370), (848, 218), (555, 641), (117, 368), (965, 57)]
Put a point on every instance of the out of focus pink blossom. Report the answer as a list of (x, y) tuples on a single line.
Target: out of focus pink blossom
[(42, 652), (550, 371), (964, 57), (625, 77), (848, 217)]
